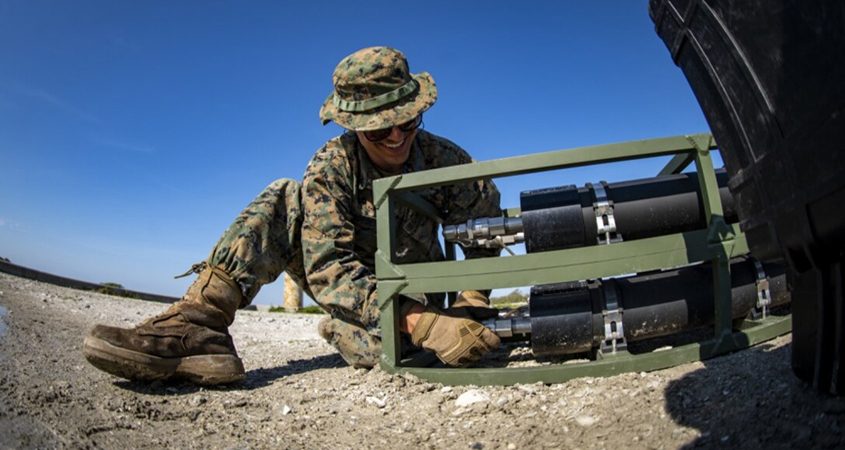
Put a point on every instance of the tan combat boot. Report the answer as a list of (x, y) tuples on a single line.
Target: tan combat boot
[(189, 341)]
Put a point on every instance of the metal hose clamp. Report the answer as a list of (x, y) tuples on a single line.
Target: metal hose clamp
[(764, 294), (605, 222), (614, 332)]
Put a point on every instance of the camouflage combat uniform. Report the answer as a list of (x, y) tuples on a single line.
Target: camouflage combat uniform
[(324, 234)]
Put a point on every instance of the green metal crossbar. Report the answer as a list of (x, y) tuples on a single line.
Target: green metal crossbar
[(718, 243)]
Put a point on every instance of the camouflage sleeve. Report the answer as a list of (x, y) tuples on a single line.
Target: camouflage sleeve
[(340, 282), (476, 199)]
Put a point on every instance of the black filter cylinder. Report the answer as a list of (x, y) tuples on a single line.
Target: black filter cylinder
[(562, 317), (555, 218), (564, 217), (566, 318)]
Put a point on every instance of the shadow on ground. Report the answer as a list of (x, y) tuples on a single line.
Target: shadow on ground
[(751, 399), (255, 379)]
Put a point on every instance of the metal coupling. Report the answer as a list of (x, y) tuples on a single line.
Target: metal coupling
[(509, 327), (486, 232)]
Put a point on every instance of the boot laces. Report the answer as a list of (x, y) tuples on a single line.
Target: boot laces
[(196, 268)]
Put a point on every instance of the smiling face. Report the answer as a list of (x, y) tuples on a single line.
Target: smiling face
[(391, 152)]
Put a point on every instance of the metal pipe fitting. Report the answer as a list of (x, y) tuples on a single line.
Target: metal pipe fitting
[(509, 327), (484, 228)]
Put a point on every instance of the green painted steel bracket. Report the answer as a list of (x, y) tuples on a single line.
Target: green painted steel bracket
[(677, 164), (720, 238), (386, 269), (390, 342), (758, 332), (390, 289), (538, 162), (717, 243), (573, 264), (682, 160)]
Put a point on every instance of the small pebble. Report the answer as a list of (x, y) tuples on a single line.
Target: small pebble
[(379, 402), (585, 421), (472, 396)]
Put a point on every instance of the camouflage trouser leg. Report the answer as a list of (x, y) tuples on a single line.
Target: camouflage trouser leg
[(264, 240), (357, 347)]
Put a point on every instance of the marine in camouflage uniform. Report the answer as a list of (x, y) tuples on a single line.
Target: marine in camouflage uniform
[(323, 234)]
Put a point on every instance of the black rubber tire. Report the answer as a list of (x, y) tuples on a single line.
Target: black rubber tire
[(768, 76), (817, 341)]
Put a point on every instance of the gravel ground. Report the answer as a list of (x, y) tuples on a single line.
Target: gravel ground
[(300, 394)]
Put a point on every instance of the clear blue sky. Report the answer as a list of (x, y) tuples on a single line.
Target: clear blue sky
[(132, 133)]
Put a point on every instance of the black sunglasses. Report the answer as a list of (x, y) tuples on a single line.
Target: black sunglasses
[(382, 133)]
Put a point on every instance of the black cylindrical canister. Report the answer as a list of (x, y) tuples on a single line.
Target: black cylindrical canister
[(565, 217), (567, 318)]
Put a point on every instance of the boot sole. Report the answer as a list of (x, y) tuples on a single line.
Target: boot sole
[(132, 365)]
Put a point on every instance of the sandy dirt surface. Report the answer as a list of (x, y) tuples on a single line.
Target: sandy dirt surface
[(300, 394)]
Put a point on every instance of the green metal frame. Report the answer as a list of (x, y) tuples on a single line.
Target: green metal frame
[(718, 243)]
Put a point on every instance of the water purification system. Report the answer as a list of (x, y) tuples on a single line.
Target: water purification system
[(610, 265)]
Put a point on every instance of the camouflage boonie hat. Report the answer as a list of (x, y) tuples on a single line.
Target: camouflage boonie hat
[(373, 89)]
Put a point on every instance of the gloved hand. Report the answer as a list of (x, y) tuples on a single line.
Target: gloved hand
[(474, 303), (456, 340)]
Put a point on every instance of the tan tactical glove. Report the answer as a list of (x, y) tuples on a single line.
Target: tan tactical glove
[(457, 340), (476, 304)]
